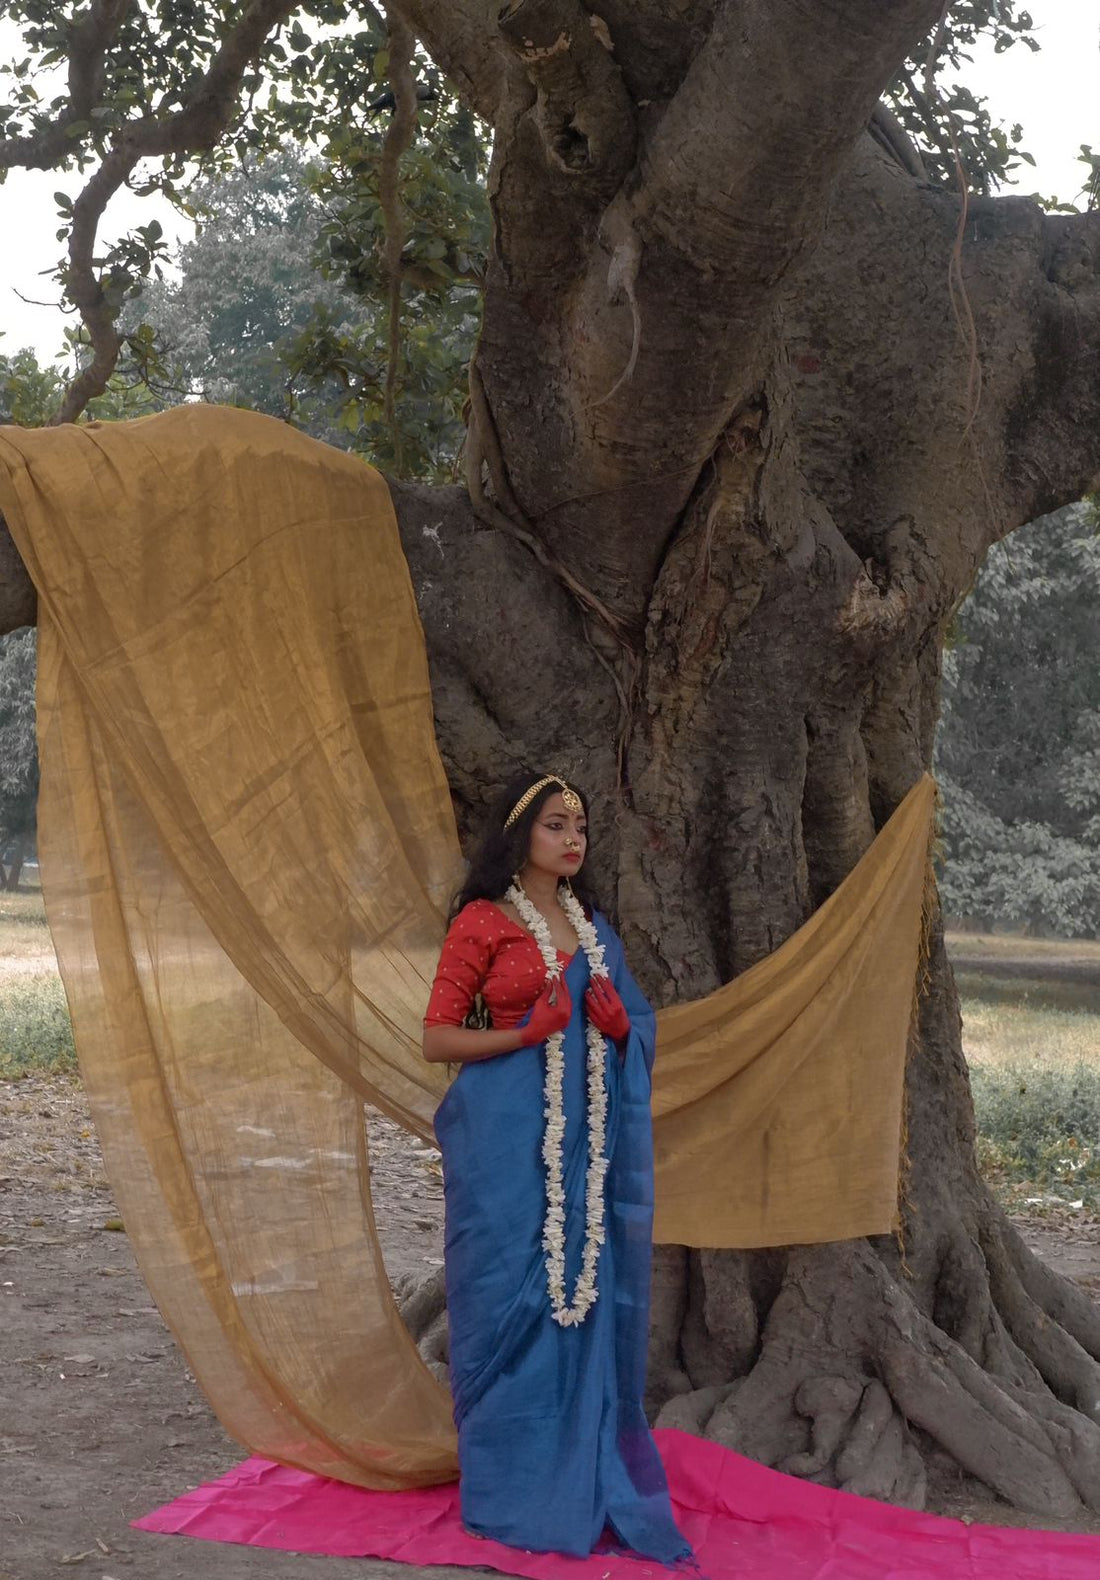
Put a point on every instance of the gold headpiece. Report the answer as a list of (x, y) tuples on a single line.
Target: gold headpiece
[(570, 797)]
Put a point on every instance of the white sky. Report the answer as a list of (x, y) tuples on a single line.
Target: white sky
[(1052, 94)]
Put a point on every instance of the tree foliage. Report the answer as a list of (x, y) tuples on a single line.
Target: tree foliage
[(279, 302), (1018, 753)]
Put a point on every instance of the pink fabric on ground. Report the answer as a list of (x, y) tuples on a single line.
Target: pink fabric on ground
[(744, 1521)]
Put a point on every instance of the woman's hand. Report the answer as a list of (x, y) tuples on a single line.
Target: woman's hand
[(547, 1018), (606, 1009)]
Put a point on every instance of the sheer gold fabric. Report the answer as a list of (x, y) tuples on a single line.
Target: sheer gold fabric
[(247, 845)]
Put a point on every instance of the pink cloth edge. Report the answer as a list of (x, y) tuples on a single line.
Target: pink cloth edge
[(735, 1511)]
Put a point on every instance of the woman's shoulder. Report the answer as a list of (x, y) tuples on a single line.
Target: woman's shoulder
[(482, 919)]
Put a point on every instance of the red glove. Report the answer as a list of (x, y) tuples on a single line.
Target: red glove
[(547, 1018), (606, 1009)]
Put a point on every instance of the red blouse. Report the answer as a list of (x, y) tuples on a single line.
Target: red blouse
[(486, 952)]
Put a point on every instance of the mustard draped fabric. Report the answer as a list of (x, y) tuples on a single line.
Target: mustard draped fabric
[(247, 846)]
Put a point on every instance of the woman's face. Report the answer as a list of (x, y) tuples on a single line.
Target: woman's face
[(559, 838)]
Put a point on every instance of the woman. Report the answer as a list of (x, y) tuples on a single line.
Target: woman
[(548, 1176)]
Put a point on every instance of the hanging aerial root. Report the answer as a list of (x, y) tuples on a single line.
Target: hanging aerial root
[(922, 984), (606, 635), (399, 136)]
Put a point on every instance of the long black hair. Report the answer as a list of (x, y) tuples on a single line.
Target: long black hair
[(501, 851)]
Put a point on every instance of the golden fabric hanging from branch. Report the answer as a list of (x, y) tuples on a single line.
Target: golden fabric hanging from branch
[(247, 846)]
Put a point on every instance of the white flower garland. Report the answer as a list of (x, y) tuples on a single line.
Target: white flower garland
[(553, 1141)]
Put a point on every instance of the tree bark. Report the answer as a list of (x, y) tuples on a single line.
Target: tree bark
[(9, 878), (772, 432)]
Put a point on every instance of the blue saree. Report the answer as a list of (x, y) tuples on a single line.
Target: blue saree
[(553, 1445)]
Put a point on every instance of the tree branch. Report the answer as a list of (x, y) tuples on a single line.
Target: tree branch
[(87, 52), (195, 128), (85, 290), (736, 197), (211, 102), (462, 39)]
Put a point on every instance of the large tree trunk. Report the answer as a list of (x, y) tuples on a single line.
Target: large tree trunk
[(731, 506), (750, 405)]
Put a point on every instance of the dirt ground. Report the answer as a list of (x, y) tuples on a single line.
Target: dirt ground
[(100, 1421)]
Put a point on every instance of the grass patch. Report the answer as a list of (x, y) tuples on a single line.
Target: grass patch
[(1006, 1023), (1039, 1132), (23, 929), (1016, 946), (35, 1033)]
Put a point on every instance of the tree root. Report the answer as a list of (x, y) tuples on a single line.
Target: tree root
[(1060, 1298), (849, 1365), (719, 1334), (1068, 1369), (423, 1308)]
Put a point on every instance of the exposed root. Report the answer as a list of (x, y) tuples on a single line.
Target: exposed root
[(719, 1336), (849, 1366), (879, 1458), (420, 1302), (829, 1403), (981, 1427), (423, 1307), (1070, 1370), (691, 1412), (666, 1377), (1061, 1300)]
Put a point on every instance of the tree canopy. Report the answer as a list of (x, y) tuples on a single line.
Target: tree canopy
[(122, 94)]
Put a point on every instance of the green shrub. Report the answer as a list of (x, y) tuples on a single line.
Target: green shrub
[(1040, 1124), (35, 1033)]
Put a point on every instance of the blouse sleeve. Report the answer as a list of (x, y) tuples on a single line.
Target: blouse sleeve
[(463, 967)]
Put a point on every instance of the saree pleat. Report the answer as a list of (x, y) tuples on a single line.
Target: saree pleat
[(247, 846)]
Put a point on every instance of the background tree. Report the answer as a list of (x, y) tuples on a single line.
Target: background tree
[(1018, 749), (757, 387), (18, 755), (280, 305)]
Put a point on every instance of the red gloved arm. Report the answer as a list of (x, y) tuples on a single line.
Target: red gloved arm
[(606, 1009), (546, 1018)]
